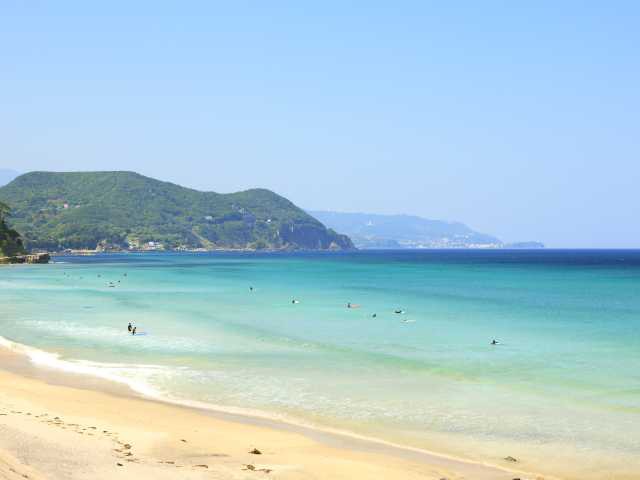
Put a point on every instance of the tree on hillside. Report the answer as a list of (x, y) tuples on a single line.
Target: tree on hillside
[(5, 211), (10, 242)]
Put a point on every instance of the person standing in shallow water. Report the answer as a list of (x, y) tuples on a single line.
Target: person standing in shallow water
[(133, 332), (130, 327)]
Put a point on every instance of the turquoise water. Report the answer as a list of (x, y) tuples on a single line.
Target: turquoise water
[(561, 391)]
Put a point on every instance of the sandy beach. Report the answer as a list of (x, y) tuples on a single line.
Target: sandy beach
[(59, 426)]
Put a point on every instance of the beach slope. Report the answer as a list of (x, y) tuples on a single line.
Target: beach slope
[(53, 430)]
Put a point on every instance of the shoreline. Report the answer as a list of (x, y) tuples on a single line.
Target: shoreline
[(32, 258), (336, 445)]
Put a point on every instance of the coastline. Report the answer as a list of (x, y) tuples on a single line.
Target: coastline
[(35, 258), (156, 429)]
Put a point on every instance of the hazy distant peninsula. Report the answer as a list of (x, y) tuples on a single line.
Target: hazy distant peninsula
[(125, 210), (375, 231), (524, 245)]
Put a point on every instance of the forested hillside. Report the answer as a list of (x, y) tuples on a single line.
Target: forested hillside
[(10, 242), (128, 210)]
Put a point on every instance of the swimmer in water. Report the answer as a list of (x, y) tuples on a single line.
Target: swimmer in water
[(494, 342), (374, 315)]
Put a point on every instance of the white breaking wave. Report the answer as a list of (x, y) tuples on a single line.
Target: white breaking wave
[(135, 376), (115, 372)]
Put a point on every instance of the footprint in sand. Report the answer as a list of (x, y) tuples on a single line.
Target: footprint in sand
[(254, 469)]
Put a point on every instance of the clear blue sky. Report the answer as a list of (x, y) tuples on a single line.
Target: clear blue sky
[(521, 121)]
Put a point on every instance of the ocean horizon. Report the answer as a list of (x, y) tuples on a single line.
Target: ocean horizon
[(410, 363)]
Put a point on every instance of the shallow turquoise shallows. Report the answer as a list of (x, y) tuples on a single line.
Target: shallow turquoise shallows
[(562, 385)]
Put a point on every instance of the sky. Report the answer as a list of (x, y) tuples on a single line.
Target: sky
[(520, 119)]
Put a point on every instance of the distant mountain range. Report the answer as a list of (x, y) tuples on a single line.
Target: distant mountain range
[(374, 231), (125, 210)]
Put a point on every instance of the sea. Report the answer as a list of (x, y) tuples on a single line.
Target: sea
[(411, 363)]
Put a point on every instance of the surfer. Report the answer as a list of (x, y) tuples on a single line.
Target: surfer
[(349, 305), (251, 289), (399, 311), (494, 342), (295, 301), (129, 327), (374, 315)]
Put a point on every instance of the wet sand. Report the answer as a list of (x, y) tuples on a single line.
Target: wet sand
[(65, 426)]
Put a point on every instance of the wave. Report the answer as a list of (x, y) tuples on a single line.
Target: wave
[(116, 372), (108, 371)]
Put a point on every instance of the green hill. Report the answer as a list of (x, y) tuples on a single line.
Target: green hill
[(10, 242), (124, 209)]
